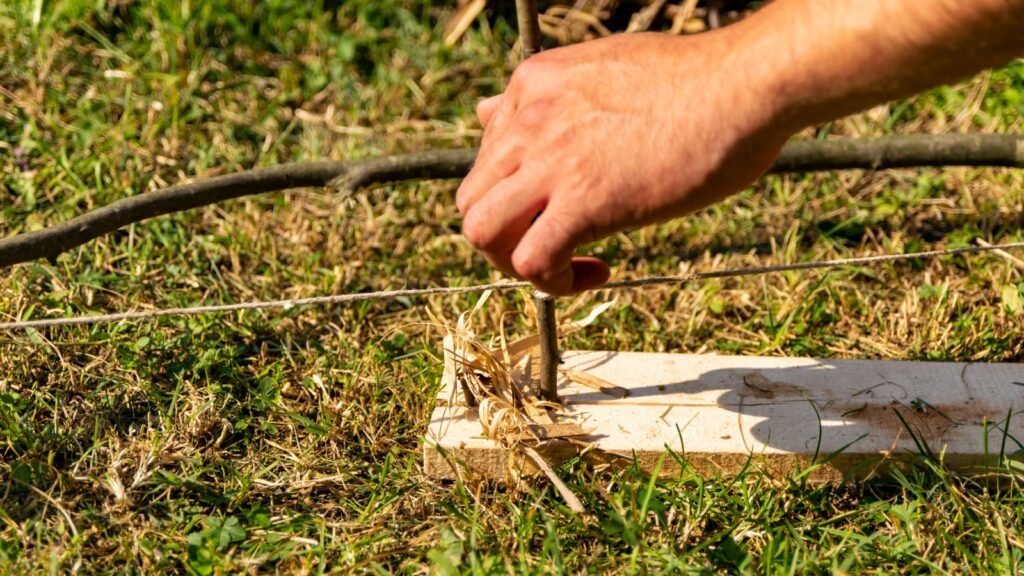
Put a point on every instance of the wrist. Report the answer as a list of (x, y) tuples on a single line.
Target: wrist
[(773, 54), (757, 57), (817, 61)]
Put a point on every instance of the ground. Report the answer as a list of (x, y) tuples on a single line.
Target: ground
[(290, 441)]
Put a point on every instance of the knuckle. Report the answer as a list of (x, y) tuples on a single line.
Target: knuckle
[(477, 232), (466, 195), (462, 200), (471, 232), (596, 227), (564, 231), (525, 72), (526, 270), (486, 109), (533, 115), (531, 266)]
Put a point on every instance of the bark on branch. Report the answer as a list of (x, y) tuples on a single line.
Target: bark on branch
[(799, 156)]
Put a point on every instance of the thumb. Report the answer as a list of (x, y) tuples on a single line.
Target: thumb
[(588, 273)]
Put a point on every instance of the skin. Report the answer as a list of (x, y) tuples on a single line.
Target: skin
[(635, 129)]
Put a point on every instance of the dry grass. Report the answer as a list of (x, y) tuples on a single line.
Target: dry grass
[(290, 441)]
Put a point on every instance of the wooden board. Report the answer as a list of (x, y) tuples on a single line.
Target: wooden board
[(721, 413)]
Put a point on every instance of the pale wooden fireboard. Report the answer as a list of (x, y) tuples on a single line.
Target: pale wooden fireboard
[(721, 413)]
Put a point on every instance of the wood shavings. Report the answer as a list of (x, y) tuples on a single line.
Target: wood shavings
[(591, 381), (502, 383)]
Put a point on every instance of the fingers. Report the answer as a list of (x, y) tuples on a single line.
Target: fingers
[(544, 256), (505, 226), (501, 203), (498, 157), (588, 273), (485, 175), (498, 221), (486, 108)]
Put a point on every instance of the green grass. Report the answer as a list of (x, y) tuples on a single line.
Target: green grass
[(290, 441)]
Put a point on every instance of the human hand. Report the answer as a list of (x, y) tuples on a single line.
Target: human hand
[(613, 134)]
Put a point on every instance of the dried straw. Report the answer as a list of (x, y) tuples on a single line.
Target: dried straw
[(501, 381)]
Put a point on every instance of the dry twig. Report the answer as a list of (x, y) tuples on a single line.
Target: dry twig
[(1005, 150)]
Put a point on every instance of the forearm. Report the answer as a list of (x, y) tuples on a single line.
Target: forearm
[(822, 60), (671, 124)]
